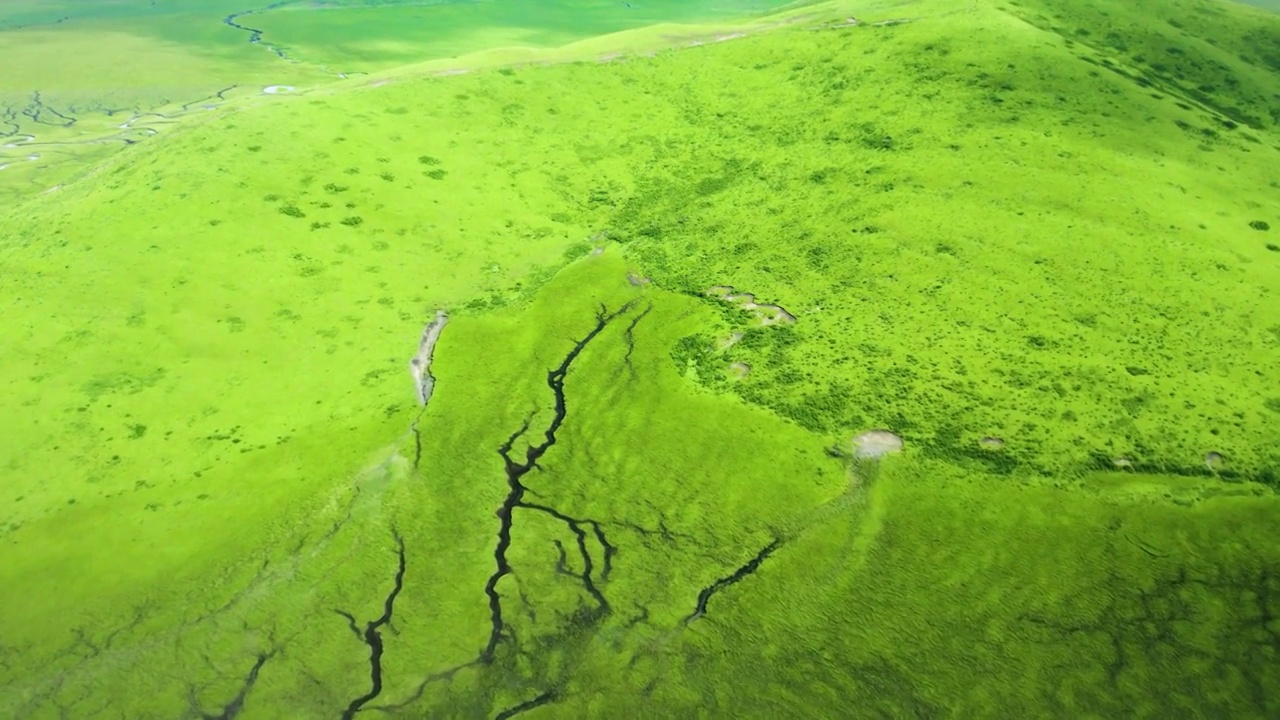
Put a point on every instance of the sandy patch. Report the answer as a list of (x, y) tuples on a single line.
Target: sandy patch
[(847, 22), (276, 89), (992, 443), (766, 313), (875, 444)]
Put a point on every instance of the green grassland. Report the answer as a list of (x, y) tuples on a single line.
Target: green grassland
[(83, 79), (1034, 222), (381, 36)]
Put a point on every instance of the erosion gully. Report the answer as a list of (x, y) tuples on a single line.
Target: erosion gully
[(592, 543)]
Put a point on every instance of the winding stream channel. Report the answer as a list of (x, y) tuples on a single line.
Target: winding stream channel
[(255, 35)]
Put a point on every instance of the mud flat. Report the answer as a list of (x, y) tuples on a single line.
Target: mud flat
[(420, 365)]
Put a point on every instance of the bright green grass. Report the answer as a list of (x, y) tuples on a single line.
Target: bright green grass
[(959, 266), (211, 444), (1222, 55), (380, 36), (1272, 5), (908, 591), (76, 72), (1123, 606), (26, 13), (497, 374)]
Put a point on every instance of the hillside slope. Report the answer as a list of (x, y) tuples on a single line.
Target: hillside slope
[(1048, 262)]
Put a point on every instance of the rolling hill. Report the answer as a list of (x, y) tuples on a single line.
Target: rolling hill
[(666, 275)]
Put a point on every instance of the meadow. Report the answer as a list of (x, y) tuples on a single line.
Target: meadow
[(1039, 241)]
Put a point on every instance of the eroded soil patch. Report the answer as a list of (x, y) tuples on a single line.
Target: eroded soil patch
[(766, 313)]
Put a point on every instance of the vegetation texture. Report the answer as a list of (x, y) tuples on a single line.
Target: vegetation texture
[(656, 268)]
